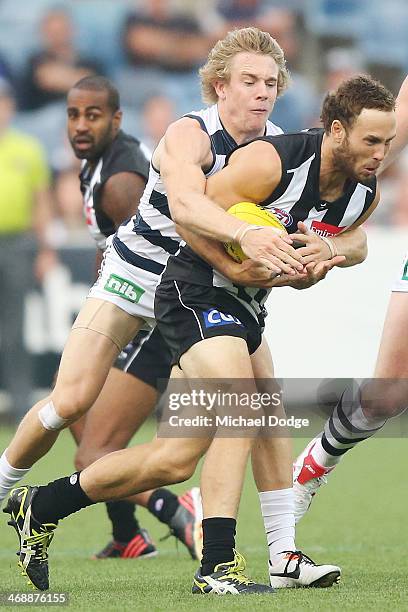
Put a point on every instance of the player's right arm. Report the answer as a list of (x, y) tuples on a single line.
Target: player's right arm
[(120, 198), (248, 273), (185, 151), (121, 195)]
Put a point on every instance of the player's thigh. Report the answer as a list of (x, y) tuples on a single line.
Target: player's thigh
[(392, 360), (261, 360), (77, 429), (120, 409), (99, 332), (179, 455), (386, 395), (263, 368), (210, 333), (272, 404), (217, 357)]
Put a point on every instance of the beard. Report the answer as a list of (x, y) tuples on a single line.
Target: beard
[(345, 161), (96, 148)]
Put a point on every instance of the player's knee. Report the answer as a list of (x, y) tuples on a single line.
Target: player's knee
[(184, 471), (51, 418), (385, 407), (177, 473), (73, 403), (180, 468), (71, 411)]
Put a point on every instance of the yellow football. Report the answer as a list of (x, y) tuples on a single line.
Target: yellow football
[(255, 215)]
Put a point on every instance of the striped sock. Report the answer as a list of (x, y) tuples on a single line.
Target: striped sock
[(346, 427)]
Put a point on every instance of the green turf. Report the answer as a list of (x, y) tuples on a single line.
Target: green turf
[(357, 521)]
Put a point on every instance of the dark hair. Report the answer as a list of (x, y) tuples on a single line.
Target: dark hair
[(100, 83), (346, 103)]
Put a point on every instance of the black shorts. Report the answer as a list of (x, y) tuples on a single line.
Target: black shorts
[(147, 357), (187, 313)]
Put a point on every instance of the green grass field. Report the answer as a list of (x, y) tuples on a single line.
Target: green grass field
[(357, 521)]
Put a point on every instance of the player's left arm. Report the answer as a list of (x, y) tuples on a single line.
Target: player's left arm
[(351, 244), (247, 177), (121, 195)]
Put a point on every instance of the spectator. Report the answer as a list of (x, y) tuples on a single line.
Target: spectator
[(239, 13), (25, 211), (158, 113), (68, 227), (158, 37), (297, 107), (5, 72), (341, 63), (52, 70), (163, 49)]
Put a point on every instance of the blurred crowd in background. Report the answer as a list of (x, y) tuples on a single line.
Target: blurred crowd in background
[(151, 50)]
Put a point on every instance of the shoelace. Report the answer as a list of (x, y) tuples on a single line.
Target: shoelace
[(236, 571), (299, 556), (39, 542), (167, 535), (305, 559)]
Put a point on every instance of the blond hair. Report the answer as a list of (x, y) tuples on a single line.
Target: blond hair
[(218, 65)]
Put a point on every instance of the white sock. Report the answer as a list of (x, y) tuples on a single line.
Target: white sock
[(279, 520), (9, 476)]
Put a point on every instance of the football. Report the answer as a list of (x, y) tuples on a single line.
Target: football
[(255, 215)]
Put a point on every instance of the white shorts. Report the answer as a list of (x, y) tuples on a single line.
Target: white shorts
[(401, 282), (130, 288)]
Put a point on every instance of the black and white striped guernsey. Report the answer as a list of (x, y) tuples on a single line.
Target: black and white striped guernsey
[(149, 238), (296, 198), (124, 154)]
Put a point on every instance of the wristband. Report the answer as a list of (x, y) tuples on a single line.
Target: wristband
[(249, 228), (332, 246), (235, 236)]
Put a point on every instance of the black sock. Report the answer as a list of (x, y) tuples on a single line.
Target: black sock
[(124, 523), (218, 543), (163, 504), (59, 499)]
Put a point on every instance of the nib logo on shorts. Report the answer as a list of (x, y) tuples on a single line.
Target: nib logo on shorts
[(124, 288)]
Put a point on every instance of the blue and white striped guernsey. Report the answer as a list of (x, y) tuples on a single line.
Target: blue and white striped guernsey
[(149, 237)]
